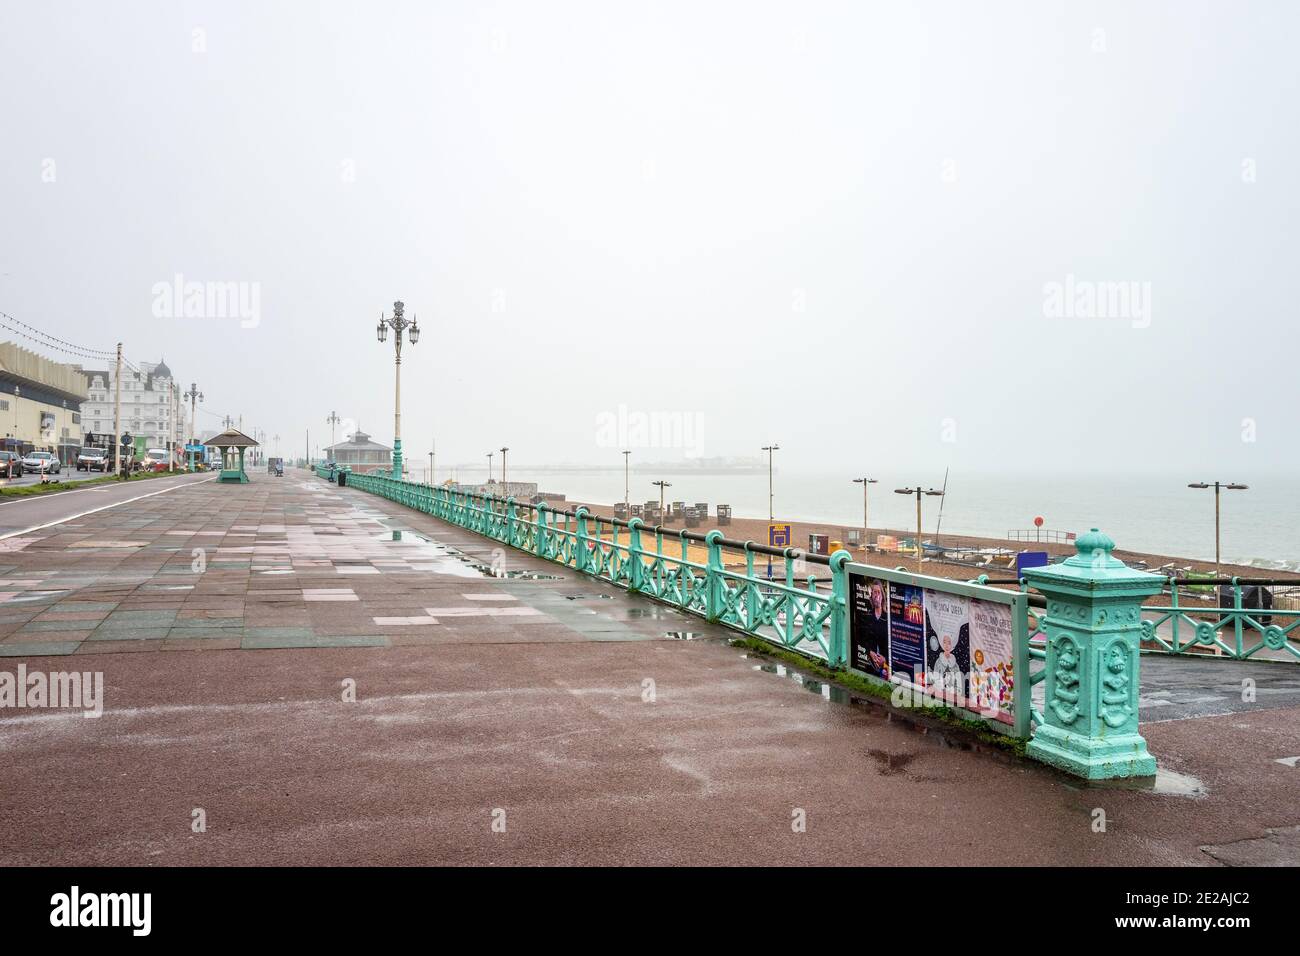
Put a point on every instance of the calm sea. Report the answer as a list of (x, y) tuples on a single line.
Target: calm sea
[(1260, 526)]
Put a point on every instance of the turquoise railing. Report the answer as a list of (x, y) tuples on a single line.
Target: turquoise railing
[(686, 570)]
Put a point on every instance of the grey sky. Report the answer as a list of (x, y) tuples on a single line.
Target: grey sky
[(828, 225)]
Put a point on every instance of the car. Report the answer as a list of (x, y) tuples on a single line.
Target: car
[(93, 459), (41, 461), (156, 459), (11, 466)]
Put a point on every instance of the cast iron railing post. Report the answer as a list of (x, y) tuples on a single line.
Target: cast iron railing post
[(713, 581), (1093, 628)]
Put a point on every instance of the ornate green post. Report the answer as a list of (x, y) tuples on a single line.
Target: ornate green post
[(539, 545), (637, 573), (713, 582), (1093, 629), (839, 643), (582, 559)]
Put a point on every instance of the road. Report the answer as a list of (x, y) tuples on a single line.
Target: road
[(21, 514)]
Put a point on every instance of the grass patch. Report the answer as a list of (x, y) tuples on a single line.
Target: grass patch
[(50, 487), (948, 717)]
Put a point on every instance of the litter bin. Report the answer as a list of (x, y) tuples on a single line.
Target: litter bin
[(1253, 598), (343, 477)]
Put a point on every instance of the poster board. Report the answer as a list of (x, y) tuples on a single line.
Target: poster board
[(952, 643)]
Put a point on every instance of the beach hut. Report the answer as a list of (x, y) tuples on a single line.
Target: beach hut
[(231, 444)]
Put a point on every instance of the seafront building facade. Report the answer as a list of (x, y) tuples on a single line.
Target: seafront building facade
[(40, 403), (151, 408)]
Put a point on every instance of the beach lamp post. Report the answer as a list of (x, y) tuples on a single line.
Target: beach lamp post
[(399, 324), (489, 458), (626, 483), (864, 482), (1218, 486), (771, 511), (918, 491), (503, 469), (661, 485)]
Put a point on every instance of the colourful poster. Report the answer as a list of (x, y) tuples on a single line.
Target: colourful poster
[(947, 645), (991, 664), (907, 633), (869, 625)]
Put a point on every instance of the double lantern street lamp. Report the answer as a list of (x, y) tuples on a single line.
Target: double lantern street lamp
[(399, 324)]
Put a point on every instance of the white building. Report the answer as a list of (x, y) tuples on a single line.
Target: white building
[(148, 404)]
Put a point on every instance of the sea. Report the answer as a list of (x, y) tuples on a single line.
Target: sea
[(1156, 514)]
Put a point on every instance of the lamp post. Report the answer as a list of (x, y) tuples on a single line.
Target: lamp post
[(333, 421), (503, 470), (489, 458), (1217, 486), (864, 482), (398, 324), (918, 491), (661, 485), (627, 485), (771, 512), (430, 469), (195, 396)]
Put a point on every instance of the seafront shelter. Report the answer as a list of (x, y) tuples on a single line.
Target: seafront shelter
[(232, 443)]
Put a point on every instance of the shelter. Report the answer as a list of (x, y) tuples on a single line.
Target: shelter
[(231, 443)]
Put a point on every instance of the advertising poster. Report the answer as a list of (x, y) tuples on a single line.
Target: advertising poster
[(947, 645), (907, 633), (991, 664), (869, 625)]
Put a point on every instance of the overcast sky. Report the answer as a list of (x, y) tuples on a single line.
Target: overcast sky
[(835, 226)]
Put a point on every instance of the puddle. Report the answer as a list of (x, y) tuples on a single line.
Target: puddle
[(1166, 783), (685, 635)]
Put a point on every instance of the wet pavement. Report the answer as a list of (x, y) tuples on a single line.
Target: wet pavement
[(509, 711)]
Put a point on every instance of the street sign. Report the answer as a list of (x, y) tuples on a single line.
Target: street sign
[(197, 449)]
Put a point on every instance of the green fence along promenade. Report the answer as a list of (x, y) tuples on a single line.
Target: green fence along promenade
[(1092, 624), (1093, 628)]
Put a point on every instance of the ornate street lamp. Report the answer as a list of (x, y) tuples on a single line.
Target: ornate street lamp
[(399, 324), (195, 396)]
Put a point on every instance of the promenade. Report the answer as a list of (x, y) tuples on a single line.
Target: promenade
[(331, 678)]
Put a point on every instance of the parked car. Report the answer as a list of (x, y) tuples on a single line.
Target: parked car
[(42, 461), (155, 459), (93, 459), (11, 466)]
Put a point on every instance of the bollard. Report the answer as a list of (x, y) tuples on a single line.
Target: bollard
[(1093, 629)]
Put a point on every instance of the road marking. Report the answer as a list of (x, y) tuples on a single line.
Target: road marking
[(56, 494), (51, 524)]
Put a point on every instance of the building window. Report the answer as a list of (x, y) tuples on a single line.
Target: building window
[(76, 418)]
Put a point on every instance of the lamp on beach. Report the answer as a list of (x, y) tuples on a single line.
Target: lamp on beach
[(1217, 486), (864, 482), (918, 491)]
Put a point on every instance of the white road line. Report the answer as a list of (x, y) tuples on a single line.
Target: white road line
[(56, 494), (51, 524)]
